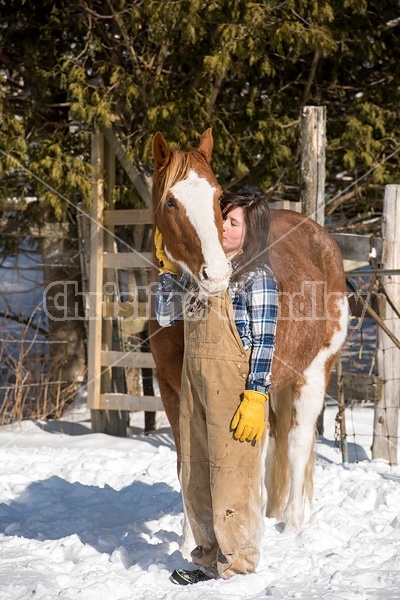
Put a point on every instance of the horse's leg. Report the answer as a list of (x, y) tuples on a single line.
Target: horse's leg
[(307, 403), (309, 395), (277, 462), (166, 344), (170, 400)]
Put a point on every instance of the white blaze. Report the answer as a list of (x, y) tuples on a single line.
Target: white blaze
[(196, 195)]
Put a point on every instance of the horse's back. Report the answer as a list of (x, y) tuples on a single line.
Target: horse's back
[(309, 269), (300, 246)]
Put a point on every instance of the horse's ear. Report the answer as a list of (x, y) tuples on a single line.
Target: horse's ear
[(207, 143), (161, 151)]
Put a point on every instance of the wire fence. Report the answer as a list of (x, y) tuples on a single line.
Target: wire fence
[(30, 386), (358, 359), (355, 424), (27, 387)]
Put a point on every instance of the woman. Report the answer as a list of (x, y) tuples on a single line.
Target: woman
[(229, 344)]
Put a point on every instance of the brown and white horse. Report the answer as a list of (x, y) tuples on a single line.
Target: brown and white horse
[(312, 321)]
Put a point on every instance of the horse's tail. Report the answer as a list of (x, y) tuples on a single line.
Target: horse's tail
[(308, 486), (277, 462)]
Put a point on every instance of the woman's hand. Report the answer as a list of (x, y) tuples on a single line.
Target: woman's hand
[(166, 265), (249, 420)]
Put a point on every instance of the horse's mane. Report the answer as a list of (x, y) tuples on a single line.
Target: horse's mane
[(178, 169)]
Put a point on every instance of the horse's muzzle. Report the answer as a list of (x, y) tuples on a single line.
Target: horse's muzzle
[(214, 281)]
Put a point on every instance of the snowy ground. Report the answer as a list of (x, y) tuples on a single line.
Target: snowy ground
[(87, 516)]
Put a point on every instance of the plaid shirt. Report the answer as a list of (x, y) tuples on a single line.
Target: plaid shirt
[(255, 310)]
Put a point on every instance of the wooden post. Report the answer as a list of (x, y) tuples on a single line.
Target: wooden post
[(109, 276), (96, 273), (312, 176), (112, 422), (312, 169), (385, 442)]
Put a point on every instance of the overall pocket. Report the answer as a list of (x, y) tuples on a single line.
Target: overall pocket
[(204, 326)]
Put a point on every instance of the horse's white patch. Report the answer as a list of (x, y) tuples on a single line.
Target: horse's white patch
[(308, 406), (315, 373), (196, 195)]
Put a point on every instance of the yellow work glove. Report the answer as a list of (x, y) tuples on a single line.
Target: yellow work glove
[(248, 420), (165, 263)]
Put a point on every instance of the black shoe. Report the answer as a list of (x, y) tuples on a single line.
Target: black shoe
[(185, 577)]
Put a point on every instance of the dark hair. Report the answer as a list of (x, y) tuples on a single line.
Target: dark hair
[(255, 249)]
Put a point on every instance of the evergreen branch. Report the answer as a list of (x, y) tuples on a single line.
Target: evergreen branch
[(311, 78), (125, 36), (214, 94)]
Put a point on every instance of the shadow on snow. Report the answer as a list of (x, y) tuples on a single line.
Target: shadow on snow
[(128, 520)]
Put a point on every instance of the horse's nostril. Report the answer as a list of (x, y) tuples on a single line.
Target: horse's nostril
[(205, 274)]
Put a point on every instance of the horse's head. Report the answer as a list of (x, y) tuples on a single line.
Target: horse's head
[(186, 211)]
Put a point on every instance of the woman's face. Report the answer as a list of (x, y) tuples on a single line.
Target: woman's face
[(233, 231)]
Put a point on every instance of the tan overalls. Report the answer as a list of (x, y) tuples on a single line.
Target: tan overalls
[(220, 475)]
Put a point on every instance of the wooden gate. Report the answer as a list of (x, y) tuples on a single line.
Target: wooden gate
[(104, 309)]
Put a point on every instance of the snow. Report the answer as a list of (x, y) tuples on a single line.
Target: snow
[(92, 517)]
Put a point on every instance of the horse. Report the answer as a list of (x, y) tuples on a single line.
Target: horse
[(312, 316)]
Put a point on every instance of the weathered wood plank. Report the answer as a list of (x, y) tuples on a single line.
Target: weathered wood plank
[(133, 316), (386, 419), (132, 216), (131, 403), (286, 205), (95, 273), (114, 358), (312, 168), (357, 386), (128, 260), (136, 178), (112, 422), (127, 310), (357, 247)]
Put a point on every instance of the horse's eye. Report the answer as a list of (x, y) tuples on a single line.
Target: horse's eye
[(171, 203)]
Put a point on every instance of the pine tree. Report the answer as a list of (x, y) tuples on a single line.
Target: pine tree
[(245, 68)]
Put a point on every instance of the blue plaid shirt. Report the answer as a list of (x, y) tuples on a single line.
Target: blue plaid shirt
[(255, 310)]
